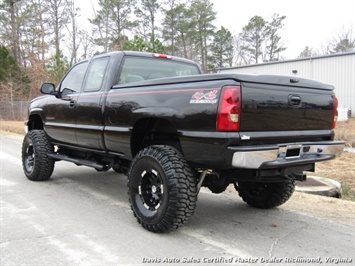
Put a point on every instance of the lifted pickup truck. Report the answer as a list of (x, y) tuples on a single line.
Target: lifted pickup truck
[(171, 130)]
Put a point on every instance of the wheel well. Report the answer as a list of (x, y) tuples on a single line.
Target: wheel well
[(153, 131), (34, 122)]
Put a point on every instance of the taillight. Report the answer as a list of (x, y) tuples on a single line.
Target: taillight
[(229, 109), (335, 111)]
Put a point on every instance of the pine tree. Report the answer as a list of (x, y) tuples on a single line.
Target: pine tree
[(202, 23), (252, 38), (222, 49)]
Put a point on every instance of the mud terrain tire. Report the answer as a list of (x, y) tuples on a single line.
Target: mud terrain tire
[(265, 195), (162, 189), (37, 165)]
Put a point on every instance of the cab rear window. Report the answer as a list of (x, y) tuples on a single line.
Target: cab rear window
[(142, 68)]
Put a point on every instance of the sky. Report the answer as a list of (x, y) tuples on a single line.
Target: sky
[(310, 23)]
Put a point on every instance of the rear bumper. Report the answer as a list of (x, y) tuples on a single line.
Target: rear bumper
[(284, 155)]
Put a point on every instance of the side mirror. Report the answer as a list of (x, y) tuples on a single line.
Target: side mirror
[(47, 88)]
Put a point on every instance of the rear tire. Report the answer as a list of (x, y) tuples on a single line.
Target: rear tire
[(37, 165), (265, 195), (162, 189)]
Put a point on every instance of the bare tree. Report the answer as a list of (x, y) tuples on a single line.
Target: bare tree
[(241, 57), (73, 31), (308, 52), (344, 41), (274, 46), (34, 45), (87, 44), (58, 11)]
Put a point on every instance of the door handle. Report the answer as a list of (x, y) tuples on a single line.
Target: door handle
[(72, 104), (294, 100)]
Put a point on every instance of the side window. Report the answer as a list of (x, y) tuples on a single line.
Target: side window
[(75, 77), (96, 74)]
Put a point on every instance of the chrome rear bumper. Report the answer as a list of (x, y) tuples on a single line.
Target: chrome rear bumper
[(283, 155)]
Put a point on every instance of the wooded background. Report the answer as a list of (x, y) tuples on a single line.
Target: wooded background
[(41, 39)]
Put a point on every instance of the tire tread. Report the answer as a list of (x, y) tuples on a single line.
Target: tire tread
[(276, 195)]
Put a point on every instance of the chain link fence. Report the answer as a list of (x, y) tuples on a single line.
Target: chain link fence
[(16, 110)]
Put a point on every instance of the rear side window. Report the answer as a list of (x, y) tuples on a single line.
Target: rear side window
[(142, 68), (96, 74)]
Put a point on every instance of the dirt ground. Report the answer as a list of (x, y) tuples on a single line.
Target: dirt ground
[(341, 169)]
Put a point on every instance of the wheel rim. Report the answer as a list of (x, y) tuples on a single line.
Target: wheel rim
[(151, 190), (29, 158)]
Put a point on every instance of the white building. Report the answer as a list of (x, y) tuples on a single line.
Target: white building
[(335, 69)]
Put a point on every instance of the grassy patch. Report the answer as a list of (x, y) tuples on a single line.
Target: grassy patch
[(17, 127), (346, 131), (347, 192)]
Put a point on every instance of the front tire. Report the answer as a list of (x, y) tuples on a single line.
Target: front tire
[(162, 189), (37, 165), (265, 195)]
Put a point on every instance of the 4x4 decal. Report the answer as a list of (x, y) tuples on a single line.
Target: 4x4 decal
[(205, 97)]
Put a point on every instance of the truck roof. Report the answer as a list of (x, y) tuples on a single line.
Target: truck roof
[(147, 54)]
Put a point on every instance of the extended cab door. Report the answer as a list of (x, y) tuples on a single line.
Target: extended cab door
[(60, 120), (89, 105)]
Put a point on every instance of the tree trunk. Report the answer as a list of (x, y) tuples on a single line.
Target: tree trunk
[(15, 40)]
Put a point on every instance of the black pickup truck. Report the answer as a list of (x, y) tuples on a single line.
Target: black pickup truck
[(171, 130)]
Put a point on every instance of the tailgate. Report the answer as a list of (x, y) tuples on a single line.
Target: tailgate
[(282, 106)]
